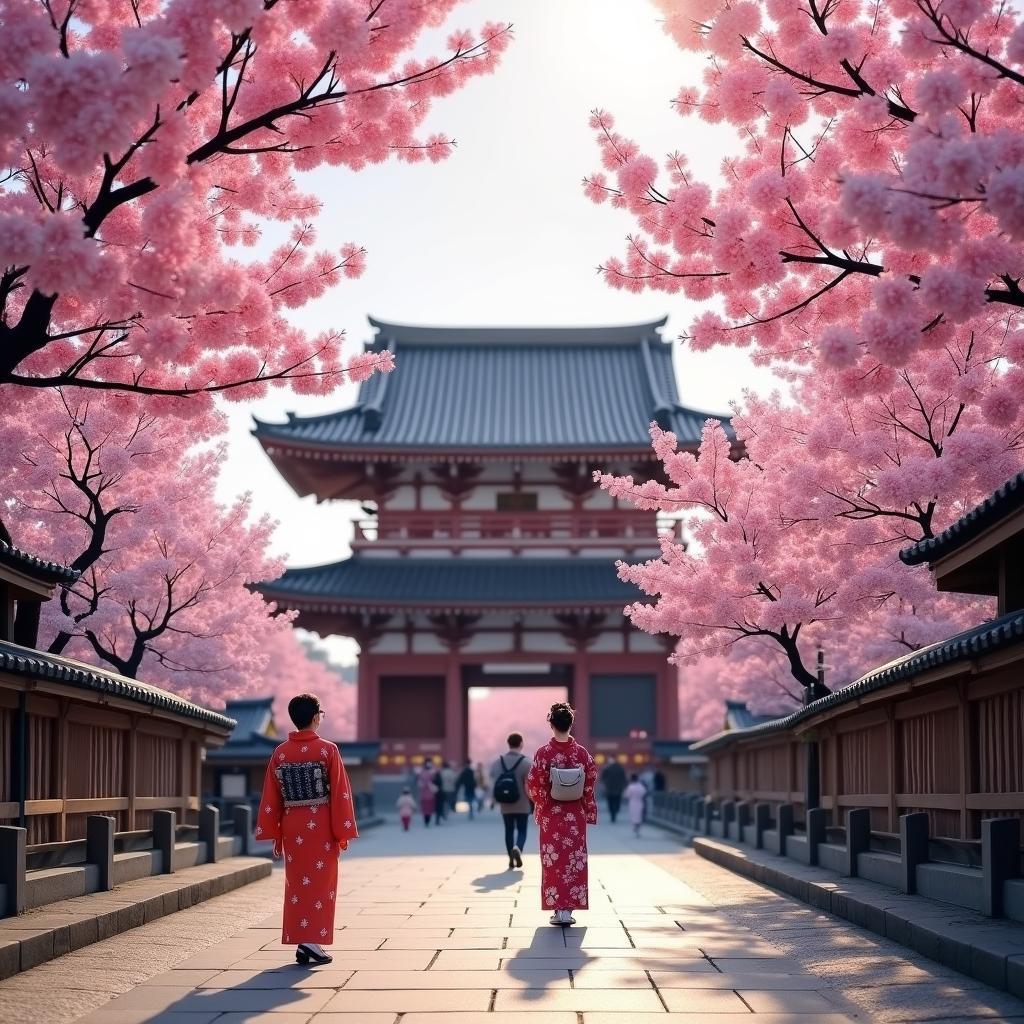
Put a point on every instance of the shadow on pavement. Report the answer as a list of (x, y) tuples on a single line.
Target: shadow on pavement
[(269, 991), (499, 880)]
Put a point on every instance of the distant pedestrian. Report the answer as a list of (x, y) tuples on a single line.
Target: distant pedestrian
[(466, 784), (613, 778), (405, 806), (636, 798), (509, 773), (427, 792), (561, 784), (440, 810), (647, 779), (659, 781), (448, 778), (306, 809), (481, 787)]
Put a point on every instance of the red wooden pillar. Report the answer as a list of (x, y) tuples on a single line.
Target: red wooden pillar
[(367, 699), (454, 712), (667, 706), (581, 695)]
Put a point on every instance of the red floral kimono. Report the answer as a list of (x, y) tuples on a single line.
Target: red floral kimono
[(563, 825), (311, 836)]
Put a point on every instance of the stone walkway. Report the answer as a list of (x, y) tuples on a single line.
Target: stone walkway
[(433, 929)]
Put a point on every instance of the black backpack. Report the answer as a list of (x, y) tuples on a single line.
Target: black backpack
[(506, 786)]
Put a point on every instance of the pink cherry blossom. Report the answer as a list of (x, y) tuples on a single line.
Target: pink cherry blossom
[(145, 142)]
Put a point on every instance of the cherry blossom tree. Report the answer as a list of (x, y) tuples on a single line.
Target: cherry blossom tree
[(290, 669), (875, 204), (786, 552), (148, 144), (127, 499)]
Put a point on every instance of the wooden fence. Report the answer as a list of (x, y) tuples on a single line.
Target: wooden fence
[(952, 747), (80, 756)]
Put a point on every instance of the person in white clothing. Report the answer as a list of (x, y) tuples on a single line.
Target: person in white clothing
[(636, 797)]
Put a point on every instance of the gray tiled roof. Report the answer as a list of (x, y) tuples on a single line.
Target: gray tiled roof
[(23, 661), (38, 568), (971, 643), (452, 583), (584, 389), (739, 716), (1005, 501), (251, 716)]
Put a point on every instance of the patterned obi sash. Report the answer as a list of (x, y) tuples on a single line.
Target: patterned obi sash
[(303, 783)]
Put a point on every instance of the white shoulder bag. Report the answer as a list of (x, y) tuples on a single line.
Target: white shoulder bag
[(567, 783)]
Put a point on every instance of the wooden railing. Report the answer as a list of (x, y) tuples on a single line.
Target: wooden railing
[(954, 752), (81, 759), (455, 529)]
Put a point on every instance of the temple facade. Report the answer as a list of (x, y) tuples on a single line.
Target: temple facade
[(485, 554)]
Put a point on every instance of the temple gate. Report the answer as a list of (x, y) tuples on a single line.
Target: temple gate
[(485, 554)]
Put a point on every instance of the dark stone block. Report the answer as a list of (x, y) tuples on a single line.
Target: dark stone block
[(1000, 843), (153, 909), (897, 928), (36, 949), (988, 966), (858, 837), (1014, 975), (12, 867), (913, 848), (99, 849), (106, 925), (10, 958), (84, 932), (61, 940), (924, 939)]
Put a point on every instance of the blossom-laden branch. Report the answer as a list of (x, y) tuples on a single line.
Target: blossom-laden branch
[(151, 145), (898, 221)]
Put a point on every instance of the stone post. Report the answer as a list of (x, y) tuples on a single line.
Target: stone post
[(742, 818), (784, 826), (99, 849), (817, 818), (209, 830), (728, 817), (913, 847), (1000, 843), (241, 815), (164, 825), (762, 819), (12, 867), (858, 837)]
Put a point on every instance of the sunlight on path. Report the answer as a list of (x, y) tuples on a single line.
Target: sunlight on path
[(433, 928)]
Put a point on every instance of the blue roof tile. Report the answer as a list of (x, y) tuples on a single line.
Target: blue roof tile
[(454, 583), (1004, 502), (586, 389)]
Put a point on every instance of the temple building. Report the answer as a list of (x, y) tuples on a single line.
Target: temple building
[(486, 553)]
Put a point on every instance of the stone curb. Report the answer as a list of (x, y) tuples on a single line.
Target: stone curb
[(58, 928), (992, 951)]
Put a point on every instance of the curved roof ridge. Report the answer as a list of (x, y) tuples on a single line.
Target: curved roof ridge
[(453, 335), (26, 661), (33, 565), (998, 505)]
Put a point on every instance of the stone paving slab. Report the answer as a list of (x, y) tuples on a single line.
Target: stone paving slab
[(55, 929), (664, 941)]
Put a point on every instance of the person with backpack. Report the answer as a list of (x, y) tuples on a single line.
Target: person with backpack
[(561, 783), (509, 773)]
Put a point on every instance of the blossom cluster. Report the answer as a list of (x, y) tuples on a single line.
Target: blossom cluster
[(879, 168), (150, 144)]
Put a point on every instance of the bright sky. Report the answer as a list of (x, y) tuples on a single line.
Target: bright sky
[(500, 233)]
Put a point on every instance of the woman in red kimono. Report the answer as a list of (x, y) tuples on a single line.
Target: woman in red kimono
[(563, 823), (308, 811)]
